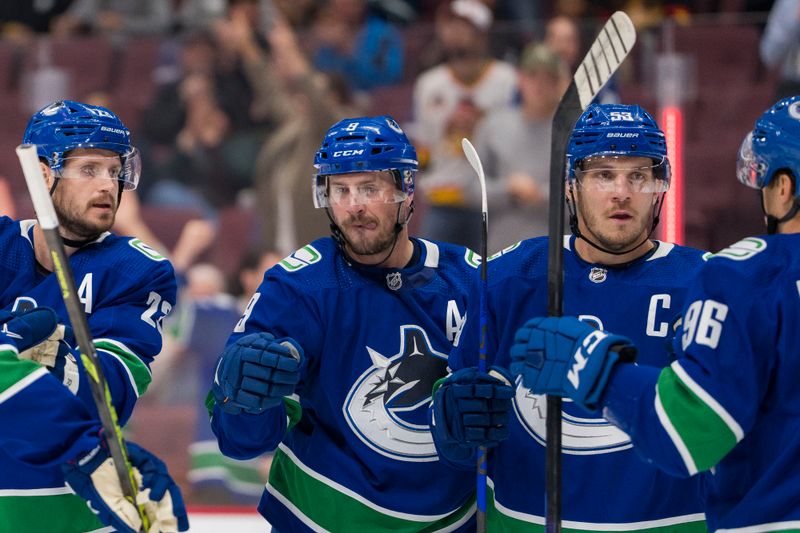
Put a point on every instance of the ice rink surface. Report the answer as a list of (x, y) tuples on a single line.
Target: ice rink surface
[(221, 520)]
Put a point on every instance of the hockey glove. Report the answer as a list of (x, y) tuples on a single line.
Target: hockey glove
[(256, 372), (566, 357), (26, 329), (470, 409), (55, 353), (94, 478)]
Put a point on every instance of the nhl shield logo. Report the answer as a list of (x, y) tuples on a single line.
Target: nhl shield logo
[(598, 275), (394, 280)]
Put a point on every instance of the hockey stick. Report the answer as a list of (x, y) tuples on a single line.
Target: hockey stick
[(475, 161), (46, 214), (605, 55)]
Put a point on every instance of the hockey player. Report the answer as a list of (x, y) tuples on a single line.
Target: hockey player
[(126, 288), (727, 408), (614, 273), (334, 359), (54, 428)]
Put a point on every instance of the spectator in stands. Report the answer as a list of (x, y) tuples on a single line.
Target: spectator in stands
[(780, 46), (115, 18), (301, 102), (24, 18), (449, 100), (563, 36), (364, 49), (514, 145), (190, 122)]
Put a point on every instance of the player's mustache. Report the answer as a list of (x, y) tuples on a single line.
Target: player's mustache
[(359, 218)]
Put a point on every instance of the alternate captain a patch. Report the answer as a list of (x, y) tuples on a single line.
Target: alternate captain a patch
[(387, 406)]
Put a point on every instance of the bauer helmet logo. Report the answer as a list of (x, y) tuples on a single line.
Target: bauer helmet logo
[(353, 126)]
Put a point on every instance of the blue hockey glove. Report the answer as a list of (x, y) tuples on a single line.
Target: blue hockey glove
[(94, 478), (27, 329), (566, 357), (256, 372), (470, 409)]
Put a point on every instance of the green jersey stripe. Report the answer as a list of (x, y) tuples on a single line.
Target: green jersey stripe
[(138, 373), (63, 513), (17, 374), (322, 504), (698, 431), (502, 519), (709, 400)]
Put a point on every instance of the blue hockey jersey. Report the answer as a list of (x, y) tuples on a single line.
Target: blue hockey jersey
[(728, 408), (127, 289), (354, 449), (605, 485)]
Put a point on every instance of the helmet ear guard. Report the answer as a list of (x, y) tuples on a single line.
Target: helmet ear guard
[(66, 125)]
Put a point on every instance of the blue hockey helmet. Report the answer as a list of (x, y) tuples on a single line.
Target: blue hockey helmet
[(67, 125), (773, 145), (618, 130), (365, 144)]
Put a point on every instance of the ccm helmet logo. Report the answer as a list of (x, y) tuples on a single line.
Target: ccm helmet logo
[(345, 153)]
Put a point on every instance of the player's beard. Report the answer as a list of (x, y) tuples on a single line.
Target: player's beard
[(615, 241), (73, 217), (360, 243)]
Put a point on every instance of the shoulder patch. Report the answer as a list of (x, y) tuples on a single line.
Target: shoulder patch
[(744, 249), (139, 246), (305, 256), (472, 259)]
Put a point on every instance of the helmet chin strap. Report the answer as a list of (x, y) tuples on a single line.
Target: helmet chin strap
[(342, 242), (772, 221), (573, 226)]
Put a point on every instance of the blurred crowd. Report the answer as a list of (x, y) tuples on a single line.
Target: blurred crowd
[(241, 95)]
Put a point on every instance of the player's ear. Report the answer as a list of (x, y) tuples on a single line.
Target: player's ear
[(47, 172)]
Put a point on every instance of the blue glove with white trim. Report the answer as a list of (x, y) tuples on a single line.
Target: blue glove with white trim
[(470, 409), (94, 478), (566, 357), (256, 372)]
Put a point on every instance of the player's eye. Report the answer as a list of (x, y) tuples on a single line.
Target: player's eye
[(89, 171)]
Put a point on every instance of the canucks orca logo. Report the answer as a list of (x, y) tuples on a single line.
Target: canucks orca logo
[(387, 406), (580, 435)]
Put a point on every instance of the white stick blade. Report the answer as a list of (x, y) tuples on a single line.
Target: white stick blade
[(475, 162), (609, 50), (29, 161)]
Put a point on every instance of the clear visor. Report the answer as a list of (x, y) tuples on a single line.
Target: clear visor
[(618, 174), (126, 167), (342, 190), (750, 170)]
